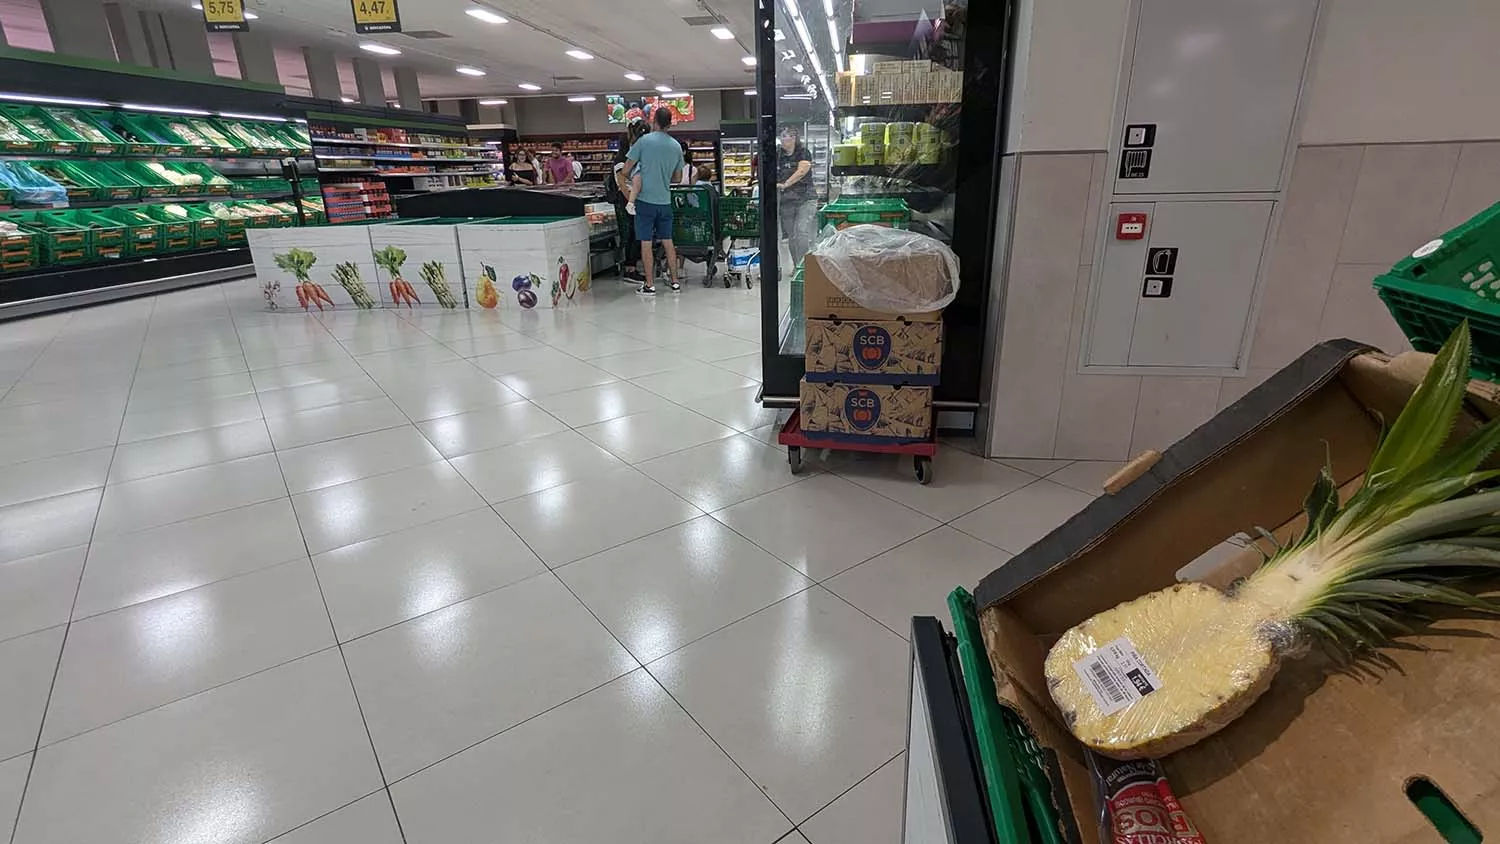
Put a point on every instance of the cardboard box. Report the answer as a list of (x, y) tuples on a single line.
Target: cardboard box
[(526, 262), (874, 351), (1324, 756), (822, 300), (866, 413)]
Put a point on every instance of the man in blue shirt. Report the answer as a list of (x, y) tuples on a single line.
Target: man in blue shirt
[(655, 162)]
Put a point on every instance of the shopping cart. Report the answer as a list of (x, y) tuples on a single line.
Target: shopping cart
[(695, 227), (739, 218)]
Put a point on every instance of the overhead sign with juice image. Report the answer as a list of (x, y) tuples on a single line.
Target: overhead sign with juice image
[(376, 16), (225, 16), (623, 110)]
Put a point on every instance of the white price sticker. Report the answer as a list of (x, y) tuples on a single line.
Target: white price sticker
[(1117, 676)]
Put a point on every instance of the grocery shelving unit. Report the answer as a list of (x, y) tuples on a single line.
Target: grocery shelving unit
[(739, 160), (596, 152)]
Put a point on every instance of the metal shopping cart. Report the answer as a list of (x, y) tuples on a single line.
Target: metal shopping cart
[(739, 218), (695, 231)]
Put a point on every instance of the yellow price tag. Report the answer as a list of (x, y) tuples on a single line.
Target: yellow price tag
[(225, 15), (376, 16)]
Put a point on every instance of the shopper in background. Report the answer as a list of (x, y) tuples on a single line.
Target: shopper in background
[(617, 189), (559, 167), (689, 170), (794, 187), (524, 170), (655, 164)]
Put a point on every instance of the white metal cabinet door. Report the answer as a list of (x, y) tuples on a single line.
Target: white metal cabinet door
[(1202, 322), (1220, 81)]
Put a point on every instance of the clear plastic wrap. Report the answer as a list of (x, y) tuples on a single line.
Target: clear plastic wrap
[(890, 270), (30, 187)]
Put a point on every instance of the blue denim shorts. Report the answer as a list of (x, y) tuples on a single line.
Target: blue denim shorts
[(652, 222)]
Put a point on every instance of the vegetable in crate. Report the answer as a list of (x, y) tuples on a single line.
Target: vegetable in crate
[(390, 259), (299, 262), (436, 277), (1166, 670), (347, 275)]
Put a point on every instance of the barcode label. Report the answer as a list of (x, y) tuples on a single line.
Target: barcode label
[(1117, 676)]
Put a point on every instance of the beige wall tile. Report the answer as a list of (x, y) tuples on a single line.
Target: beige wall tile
[(1354, 311), (1096, 201), (1051, 201), (1398, 202), (1307, 245), (1170, 408), (1476, 183), (1097, 415)]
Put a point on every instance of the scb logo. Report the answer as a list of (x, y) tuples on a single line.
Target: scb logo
[(872, 346), (862, 409)]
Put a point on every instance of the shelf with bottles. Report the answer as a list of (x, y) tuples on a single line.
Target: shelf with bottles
[(355, 201)]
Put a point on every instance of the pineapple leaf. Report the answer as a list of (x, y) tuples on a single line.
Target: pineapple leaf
[(1322, 503), (1427, 419)]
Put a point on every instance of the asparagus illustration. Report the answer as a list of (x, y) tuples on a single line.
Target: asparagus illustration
[(437, 278), (347, 275)]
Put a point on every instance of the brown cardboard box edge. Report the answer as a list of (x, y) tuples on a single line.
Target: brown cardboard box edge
[(1324, 756), (818, 289)]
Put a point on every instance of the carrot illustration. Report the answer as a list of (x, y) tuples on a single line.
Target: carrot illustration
[(391, 259), (299, 262)]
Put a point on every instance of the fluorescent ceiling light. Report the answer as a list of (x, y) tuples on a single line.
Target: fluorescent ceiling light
[(493, 102), (347, 99), (527, 86), (722, 33), (749, 61), (749, 92), (675, 94), (236, 116), (27, 98), (469, 71), (635, 77), (663, 89), (796, 96), (379, 49), (580, 55), (165, 109), (486, 15), (581, 99)]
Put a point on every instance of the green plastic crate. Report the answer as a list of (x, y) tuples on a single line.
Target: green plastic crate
[(111, 183), (174, 229), (54, 138), (854, 212), (66, 173), (19, 252), (740, 216), (143, 233), (208, 231), (147, 134), (153, 185), (254, 137), (95, 138), (1455, 277), (111, 238), (14, 138), (263, 186), (61, 241), (212, 134)]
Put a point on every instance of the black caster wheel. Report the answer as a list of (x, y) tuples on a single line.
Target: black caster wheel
[(708, 281), (747, 284), (794, 458), (728, 282), (924, 470)]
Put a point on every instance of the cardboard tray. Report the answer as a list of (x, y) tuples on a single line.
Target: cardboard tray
[(1323, 756)]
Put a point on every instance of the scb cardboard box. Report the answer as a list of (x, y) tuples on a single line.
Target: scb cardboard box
[(424, 255), (822, 299), (866, 413), (526, 262), (874, 351), (335, 259)]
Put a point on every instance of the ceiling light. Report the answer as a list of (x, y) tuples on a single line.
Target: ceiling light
[(722, 33), (527, 86), (469, 71), (675, 95), (493, 102), (486, 15), (796, 96), (580, 55), (347, 99), (581, 99), (28, 98), (379, 49), (749, 92), (663, 89), (748, 61), (635, 77)]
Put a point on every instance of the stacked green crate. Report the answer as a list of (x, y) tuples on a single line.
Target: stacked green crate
[(263, 186), (54, 137), (67, 174), (19, 251), (15, 139), (153, 184), (147, 134), (96, 138), (111, 184), (854, 212), (110, 237), (177, 227), (63, 242), (208, 231), (208, 133), (144, 233), (253, 137)]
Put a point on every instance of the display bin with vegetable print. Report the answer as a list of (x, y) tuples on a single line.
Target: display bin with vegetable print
[(418, 263), (526, 262), (338, 260)]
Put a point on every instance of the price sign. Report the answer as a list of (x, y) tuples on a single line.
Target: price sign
[(376, 16), (225, 16)]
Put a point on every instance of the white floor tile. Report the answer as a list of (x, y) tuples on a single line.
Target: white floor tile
[(1019, 519), (961, 482), (392, 578), (717, 474), (638, 364), (352, 458), (130, 568), (187, 494), (330, 423), (750, 366), (533, 465), (1038, 467), (56, 436), (481, 430), (736, 408), (13, 775), (1086, 475), (598, 404), (570, 522), (490, 344), (52, 476), (371, 820), (49, 524), (825, 524), (145, 458), (130, 660), (915, 578), (808, 696), (194, 417), (243, 762), (321, 394), (148, 397), (691, 382), (554, 379), (869, 813), (37, 592), (297, 375), (433, 686), (659, 780), (524, 360), (448, 395), (348, 513), (662, 591), (27, 663), (654, 433)]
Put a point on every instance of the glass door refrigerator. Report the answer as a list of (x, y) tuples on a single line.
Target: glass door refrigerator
[(891, 103)]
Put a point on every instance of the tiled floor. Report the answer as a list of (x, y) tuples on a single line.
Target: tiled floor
[(457, 577)]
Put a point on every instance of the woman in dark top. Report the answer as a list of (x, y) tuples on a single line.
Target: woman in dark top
[(623, 221), (523, 172), (798, 203)]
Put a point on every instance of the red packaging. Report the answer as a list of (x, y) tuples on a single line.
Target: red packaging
[(1136, 804)]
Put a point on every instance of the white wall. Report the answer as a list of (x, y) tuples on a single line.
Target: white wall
[(1384, 71), (1391, 71)]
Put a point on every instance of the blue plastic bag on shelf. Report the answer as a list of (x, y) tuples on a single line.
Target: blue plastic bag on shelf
[(29, 187)]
